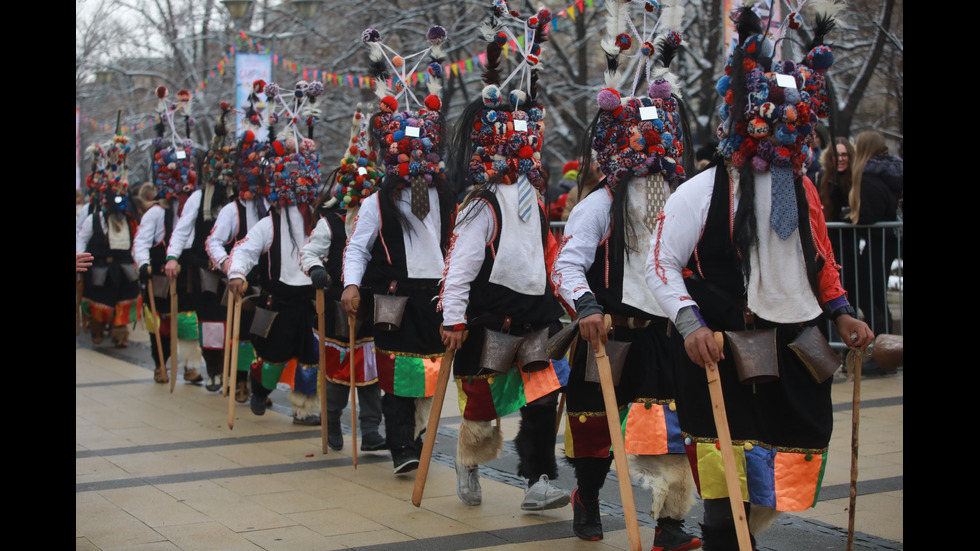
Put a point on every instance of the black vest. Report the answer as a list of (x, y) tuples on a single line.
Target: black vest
[(492, 301), (270, 277)]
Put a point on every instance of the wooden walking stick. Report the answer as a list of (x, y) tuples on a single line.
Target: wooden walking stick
[(351, 321), (854, 361), (445, 370), (727, 453), (322, 375), (173, 333), (226, 357), (79, 283), (162, 366), (618, 445), (235, 332)]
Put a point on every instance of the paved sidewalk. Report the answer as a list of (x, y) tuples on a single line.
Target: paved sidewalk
[(155, 470)]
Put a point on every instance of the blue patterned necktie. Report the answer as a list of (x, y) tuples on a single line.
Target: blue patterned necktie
[(783, 218), (525, 196)]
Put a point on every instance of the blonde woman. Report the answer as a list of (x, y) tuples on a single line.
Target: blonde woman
[(875, 191)]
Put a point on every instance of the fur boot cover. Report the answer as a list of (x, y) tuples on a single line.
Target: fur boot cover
[(535, 443), (669, 479), (304, 405), (188, 353), (761, 518), (422, 408), (119, 335), (479, 442)]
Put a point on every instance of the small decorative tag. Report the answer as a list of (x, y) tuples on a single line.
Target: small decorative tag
[(786, 81), (648, 113), (520, 126), (362, 171), (181, 154), (412, 131)]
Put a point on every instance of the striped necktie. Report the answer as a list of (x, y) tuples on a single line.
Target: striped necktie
[(525, 198)]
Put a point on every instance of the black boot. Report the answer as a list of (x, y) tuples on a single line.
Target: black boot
[(257, 401), (585, 517), (336, 402), (590, 472), (718, 531), (670, 536), (399, 416)]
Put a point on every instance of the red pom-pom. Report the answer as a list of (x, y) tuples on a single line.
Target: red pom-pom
[(161, 92), (258, 86), (403, 169), (225, 106), (280, 149), (388, 104), (525, 152), (624, 41), (433, 102), (183, 95), (249, 136)]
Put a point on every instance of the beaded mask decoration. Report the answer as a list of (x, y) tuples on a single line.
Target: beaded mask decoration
[(358, 175), (642, 135), (173, 165), (251, 160), (771, 107), (410, 138), (293, 170), (506, 138)]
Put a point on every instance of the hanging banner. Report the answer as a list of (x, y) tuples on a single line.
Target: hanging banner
[(248, 69)]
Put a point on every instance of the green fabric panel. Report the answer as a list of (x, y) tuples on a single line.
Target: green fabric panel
[(409, 377), (508, 392), (271, 374), (246, 355), (187, 327)]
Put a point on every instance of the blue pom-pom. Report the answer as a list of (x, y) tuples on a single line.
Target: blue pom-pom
[(724, 84)]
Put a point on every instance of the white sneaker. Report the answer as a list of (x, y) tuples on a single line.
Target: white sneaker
[(468, 484), (544, 495)]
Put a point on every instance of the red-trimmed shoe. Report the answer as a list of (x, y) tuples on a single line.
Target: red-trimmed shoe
[(585, 517), (670, 536)]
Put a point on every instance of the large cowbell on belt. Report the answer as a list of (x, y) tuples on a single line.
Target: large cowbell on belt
[(389, 309), (500, 349)]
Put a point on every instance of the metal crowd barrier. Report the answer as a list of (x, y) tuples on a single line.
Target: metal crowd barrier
[(871, 271)]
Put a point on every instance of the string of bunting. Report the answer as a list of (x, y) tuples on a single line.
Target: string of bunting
[(455, 69)]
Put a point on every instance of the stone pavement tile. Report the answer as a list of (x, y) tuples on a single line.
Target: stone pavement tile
[(292, 501), (421, 523), (89, 436), (208, 536), (882, 515), (375, 506), (237, 512), (570, 544), (257, 454), (153, 507), (336, 521), (98, 469), (290, 538), (323, 483), (83, 544), (253, 485), (518, 518), (376, 537), (107, 526), (172, 462)]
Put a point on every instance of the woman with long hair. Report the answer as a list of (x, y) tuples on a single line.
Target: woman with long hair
[(836, 180), (874, 196)]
